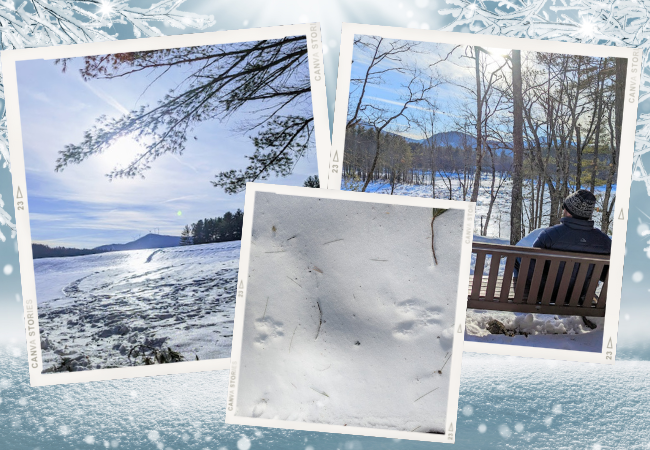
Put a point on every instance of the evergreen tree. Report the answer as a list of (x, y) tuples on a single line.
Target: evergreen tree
[(186, 236), (219, 229), (312, 182), (198, 233)]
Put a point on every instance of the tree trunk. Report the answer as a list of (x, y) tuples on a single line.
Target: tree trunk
[(619, 99), (599, 91), (479, 125), (374, 162), (578, 159), (493, 197), (517, 149)]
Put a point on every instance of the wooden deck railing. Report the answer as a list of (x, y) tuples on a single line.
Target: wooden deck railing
[(544, 293)]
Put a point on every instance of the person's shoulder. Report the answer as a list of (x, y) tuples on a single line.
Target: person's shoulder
[(601, 235), (554, 230), (545, 237)]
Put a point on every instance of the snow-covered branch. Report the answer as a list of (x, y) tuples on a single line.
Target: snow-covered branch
[(623, 23), (5, 220), (39, 23)]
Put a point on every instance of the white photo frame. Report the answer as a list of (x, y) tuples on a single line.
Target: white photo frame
[(243, 339), (334, 176), (312, 34)]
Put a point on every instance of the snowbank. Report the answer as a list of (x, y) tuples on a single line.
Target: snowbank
[(348, 321), (536, 330)]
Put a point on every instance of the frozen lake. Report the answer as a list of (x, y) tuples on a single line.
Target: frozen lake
[(499, 226), (93, 310)]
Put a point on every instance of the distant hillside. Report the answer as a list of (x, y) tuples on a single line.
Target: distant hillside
[(145, 242), (45, 251), (454, 139), (148, 241)]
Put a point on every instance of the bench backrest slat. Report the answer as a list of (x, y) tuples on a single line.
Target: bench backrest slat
[(478, 274), (523, 270), (550, 282), (563, 290), (580, 282), (535, 282), (507, 279), (593, 283), (492, 280), (602, 298)]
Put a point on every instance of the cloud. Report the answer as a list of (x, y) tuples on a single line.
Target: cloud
[(107, 98)]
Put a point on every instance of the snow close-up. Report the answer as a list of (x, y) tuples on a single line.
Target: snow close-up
[(348, 319), (117, 309)]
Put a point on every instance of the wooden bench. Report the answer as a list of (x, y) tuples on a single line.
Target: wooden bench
[(504, 293)]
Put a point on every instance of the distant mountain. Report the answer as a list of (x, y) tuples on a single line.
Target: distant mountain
[(149, 241), (454, 139), (145, 242)]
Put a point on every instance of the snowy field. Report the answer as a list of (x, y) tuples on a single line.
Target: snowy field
[(349, 322), (532, 330), (499, 226), (93, 310), (505, 403)]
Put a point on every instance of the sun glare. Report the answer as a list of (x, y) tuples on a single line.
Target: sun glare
[(494, 51), (587, 28), (122, 152), (106, 8)]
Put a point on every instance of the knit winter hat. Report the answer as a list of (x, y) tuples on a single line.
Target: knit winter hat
[(580, 204)]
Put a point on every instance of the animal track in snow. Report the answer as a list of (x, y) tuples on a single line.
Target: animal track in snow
[(268, 329), (419, 314), (259, 408)]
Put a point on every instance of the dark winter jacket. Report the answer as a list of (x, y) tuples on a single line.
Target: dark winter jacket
[(574, 235), (571, 235)]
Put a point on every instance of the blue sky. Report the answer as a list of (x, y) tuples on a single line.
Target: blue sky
[(448, 97), (80, 206), (452, 98)]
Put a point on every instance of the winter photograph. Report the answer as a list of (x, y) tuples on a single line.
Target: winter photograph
[(350, 316), (136, 165), (533, 138)]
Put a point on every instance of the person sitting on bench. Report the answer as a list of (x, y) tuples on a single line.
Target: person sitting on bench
[(574, 233)]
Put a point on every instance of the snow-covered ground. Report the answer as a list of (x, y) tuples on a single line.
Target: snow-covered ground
[(348, 321), (94, 309), (537, 330), (499, 226)]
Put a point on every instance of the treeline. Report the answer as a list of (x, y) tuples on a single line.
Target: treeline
[(45, 251), (220, 229), (449, 157)]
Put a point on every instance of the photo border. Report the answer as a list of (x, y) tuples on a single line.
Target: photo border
[(9, 58), (624, 173), (459, 320)]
